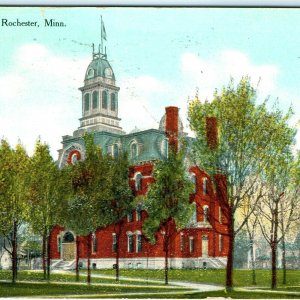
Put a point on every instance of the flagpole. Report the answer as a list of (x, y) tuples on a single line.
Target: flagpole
[(101, 35)]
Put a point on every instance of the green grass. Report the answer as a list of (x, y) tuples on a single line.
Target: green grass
[(38, 276), (61, 289), (241, 277)]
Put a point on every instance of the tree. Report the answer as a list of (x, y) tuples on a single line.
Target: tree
[(91, 194), (121, 199), (277, 210), (234, 140), (46, 198), (167, 202), (14, 174)]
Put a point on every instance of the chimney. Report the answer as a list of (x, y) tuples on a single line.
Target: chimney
[(212, 132), (172, 126)]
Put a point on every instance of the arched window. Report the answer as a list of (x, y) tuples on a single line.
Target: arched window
[(193, 180), (114, 242), (130, 217), (95, 99), (205, 213), (59, 244), (68, 237), (205, 187), (113, 102), (87, 102), (134, 150), (104, 99), (191, 244), (181, 242), (221, 242), (129, 242), (138, 182), (194, 217), (139, 242), (139, 213), (94, 243), (115, 150)]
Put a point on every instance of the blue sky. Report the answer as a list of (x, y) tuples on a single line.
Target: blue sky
[(159, 56)]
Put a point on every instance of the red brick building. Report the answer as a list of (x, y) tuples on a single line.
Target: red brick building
[(200, 245)]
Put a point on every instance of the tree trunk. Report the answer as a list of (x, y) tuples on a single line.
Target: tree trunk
[(89, 258), (283, 260), (252, 262), (14, 252), (274, 248), (44, 254), (48, 256), (117, 257), (166, 249), (229, 266), (77, 258)]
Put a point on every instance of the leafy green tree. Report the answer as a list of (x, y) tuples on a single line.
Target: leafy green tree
[(168, 202), (14, 175), (121, 199), (235, 139), (91, 194), (46, 198), (277, 211)]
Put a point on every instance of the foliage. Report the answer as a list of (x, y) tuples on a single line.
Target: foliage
[(241, 248), (168, 196), (248, 140)]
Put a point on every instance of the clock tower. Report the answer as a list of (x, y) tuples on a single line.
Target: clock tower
[(99, 98)]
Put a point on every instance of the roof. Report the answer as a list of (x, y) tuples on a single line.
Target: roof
[(99, 66)]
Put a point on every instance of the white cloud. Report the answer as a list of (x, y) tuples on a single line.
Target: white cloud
[(40, 97), (217, 71)]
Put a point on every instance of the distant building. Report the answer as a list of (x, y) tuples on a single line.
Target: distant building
[(198, 246)]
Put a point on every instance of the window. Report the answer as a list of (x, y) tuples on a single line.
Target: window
[(90, 73), (220, 215), (134, 150), (221, 242), (130, 217), (205, 213), (113, 102), (191, 244), (130, 242), (104, 99), (87, 102), (194, 216), (138, 182), (193, 180), (94, 243), (114, 242), (115, 150), (138, 242), (59, 244), (139, 213), (205, 188), (181, 242), (95, 99)]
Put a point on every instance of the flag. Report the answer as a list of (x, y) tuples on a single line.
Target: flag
[(103, 32)]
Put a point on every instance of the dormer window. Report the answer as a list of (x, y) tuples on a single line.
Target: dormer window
[(90, 73), (134, 150), (108, 72)]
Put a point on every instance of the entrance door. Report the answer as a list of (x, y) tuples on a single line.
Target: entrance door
[(68, 246), (68, 252), (205, 246)]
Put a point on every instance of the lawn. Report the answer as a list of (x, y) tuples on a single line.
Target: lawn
[(242, 278), (62, 289)]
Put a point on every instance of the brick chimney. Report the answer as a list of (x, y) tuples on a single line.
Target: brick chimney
[(172, 126)]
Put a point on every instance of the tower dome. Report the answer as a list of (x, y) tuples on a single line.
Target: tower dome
[(99, 67)]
